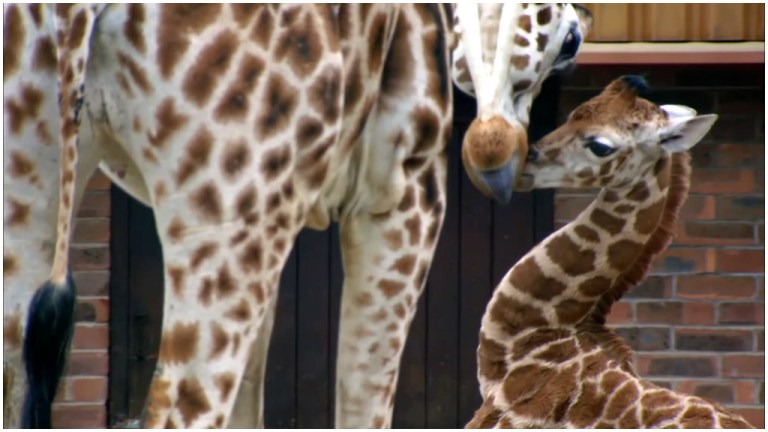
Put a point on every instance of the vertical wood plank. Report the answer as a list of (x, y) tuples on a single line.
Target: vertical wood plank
[(146, 306), (475, 221), (442, 305), (312, 348), (280, 381), (119, 294)]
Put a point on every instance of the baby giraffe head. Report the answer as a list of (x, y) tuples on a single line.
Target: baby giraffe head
[(613, 140)]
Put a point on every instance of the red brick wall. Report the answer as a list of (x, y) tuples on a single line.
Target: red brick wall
[(697, 322), (82, 396)]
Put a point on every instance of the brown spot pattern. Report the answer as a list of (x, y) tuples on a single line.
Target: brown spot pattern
[(233, 106), (299, 45), (206, 200), (235, 158), (390, 288), (13, 40), (595, 286), (612, 224), (225, 382), (133, 27), (196, 157), (44, 56), (404, 265), (225, 283), (623, 253), (176, 22), (176, 229), (514, 316), (528, 277), (137, 73), (219, 339), (169, 121), (648, 218), (12, 334), (192, 401), (19, 213), (28, 108), (567, 254), (279, 103), (587, 233), (203, 252), (176, 274), (10, 265), (544, 16), (210, 65), (241, 312), (179, 344)]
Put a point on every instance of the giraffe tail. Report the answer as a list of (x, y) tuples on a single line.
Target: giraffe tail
[(51, 314), (50, 326)]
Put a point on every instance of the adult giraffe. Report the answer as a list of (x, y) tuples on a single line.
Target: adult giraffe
[(239, 125)]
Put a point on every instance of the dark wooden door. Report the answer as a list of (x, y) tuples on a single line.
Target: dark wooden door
[(437, 386)]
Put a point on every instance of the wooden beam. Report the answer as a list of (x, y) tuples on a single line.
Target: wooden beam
[(672, 53)]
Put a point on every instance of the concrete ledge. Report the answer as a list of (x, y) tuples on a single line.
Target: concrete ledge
[(672, 53)]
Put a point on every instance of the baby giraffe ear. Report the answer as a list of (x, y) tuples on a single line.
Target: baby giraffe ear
[(684, 128)]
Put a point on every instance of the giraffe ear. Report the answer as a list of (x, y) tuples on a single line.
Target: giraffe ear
[(684, 128), (585, 20)]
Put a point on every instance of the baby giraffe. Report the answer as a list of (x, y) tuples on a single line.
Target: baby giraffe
[(546, 358)]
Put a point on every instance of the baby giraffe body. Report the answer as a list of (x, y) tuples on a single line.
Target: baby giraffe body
[(546, 358)]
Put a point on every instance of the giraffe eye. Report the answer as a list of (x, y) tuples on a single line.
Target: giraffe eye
[(570, 46), (599, 148)]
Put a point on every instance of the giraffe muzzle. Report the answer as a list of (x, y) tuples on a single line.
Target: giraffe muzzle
[(494, 152)]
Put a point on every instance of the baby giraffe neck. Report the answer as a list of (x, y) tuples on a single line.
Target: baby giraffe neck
[(576, 273)]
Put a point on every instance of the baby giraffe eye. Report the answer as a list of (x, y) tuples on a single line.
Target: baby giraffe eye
[(599, 148)]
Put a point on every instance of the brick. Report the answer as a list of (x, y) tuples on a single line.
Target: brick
[(697, 313), (743, 366), (760, 338), (645, 339), (716, 181), (761, 394), (88, 364), (734, 128), (713, 340), (663, 384), (92, 310), (742, 313), (675, 366), (567, 207), (742, 101), (653, 287), (89, 258), (92, 336), (621, 313), (91, 283), (742, 208), (68, 416), (755, 416), (718, 392), (738, 155), (714, 233), (698, 207), (711, 287), (659, 312), (98, 182), (685, 260), (741, 260), (746, 392), (761, 233), (89, 389), (95, 204), (760, 181), (91, 231)]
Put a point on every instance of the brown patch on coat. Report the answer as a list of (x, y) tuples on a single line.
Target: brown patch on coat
[(279, 103), (648, 218), (251, 259), (390, 288), (203, 252), (514, 316), (219, 339), (528, 277), (234, 105), (136, 72), (241, 312), (12, 330), (559, 352), (19, 213), (179, 344), (404, 265), (263, 29), (325, 96), (300, 46), (132, 29), (20, 165), (520, 62), (158, 401), (177, 21), (210, 65), (168, 121), (10, 265), (587, 233), (26, 108), (541, 42), (13, 40), (623, 253), (491, 359), (524, 23), (225, 382), (426, 125), (198, 152), (394, 239), (226, 285), (275, 161), (612, 224), (176, 229), (639, 192), (44, 55), (206, 201), (243, 13), (192, 401), (176, 274), (544, 16), (235, 158), (413, 227), (595, 286)]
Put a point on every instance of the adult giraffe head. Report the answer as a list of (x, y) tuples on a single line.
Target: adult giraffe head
[(502, 56)]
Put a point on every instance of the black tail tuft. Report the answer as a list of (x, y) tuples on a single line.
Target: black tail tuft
[(50, 325)]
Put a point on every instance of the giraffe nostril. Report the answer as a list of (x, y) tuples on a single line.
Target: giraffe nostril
[(533, 154)]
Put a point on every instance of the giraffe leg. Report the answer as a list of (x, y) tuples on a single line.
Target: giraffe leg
[(386, 261), (249, 405), (221, 277)]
